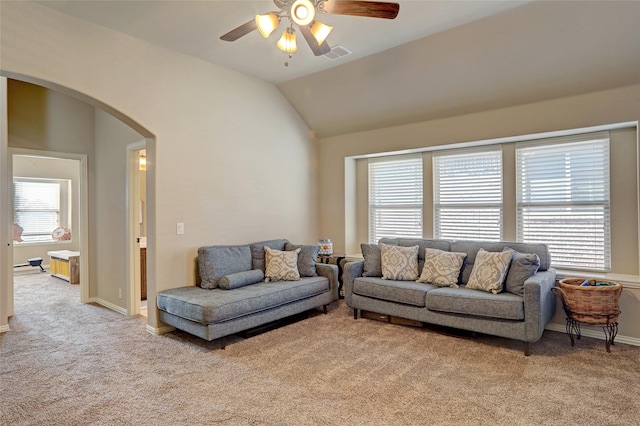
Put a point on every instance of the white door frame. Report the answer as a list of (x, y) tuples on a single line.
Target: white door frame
[(83, 215), (132, 207), (6, 226)]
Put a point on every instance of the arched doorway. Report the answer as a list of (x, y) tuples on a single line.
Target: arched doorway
[(90, 283)]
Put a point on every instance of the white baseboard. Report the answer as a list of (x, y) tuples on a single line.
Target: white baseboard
[(109, 305), (596, 334), (160, 330), (4, 328)]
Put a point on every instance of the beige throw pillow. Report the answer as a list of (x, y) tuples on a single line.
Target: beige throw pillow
[(399, 263), (441, 268), (281, 265), (490, 270)]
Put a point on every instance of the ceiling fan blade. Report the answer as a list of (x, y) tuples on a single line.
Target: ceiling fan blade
[(242, 30), (318, 49), (370, 9)]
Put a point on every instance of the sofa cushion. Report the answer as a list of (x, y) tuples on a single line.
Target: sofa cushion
[(399, 263), (241, 279), (489, 271), (476, 302), (217, 305), (257, 251), (307, 258), (372, 266), (522, 267), (214, 262), (281, 265), (441, 268), (407, 292)]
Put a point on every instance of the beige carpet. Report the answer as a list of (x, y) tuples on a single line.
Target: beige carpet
[(73, 364)]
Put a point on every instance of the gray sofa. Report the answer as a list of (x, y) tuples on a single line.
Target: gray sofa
[(521, 314), (233, 295)]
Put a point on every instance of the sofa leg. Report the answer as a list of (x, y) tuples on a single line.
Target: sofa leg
[(223, 342), (324, 309), (525, 346), (355, 314)]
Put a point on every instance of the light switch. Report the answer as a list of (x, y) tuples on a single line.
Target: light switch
[(180, 228)]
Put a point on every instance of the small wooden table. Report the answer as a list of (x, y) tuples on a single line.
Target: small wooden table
[(65, 264)]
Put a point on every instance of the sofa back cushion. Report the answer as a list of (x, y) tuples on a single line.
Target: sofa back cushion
[(472, 248), (307, 258), (257, 252), (372, 260), (523, 266), (214, 262)]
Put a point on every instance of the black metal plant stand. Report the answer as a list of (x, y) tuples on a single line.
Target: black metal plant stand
[(610, 330)]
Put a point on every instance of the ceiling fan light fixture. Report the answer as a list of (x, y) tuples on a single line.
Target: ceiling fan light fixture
[(267, 23), (320, 31), (302, 12), (287, 42)]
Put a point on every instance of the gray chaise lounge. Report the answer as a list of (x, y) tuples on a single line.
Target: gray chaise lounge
[(213, 312), (516, 316)]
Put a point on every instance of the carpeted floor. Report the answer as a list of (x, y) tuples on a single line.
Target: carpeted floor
[(68, 363)]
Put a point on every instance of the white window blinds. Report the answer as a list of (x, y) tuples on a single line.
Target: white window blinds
[(395, 197), (563, 199), (37, 208), (468, 194)]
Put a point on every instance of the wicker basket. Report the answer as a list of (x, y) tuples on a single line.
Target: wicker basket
[(589, 304)]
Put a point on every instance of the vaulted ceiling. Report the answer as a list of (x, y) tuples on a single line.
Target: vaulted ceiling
[(436, 59)]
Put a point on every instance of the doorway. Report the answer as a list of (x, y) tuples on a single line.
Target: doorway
[(137, 228), (48, 202)]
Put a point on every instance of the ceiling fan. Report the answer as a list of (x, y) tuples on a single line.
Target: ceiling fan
[(302, 13)]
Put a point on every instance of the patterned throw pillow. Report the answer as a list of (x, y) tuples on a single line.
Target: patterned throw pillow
[(281, 265), (441, 268), (490, 270), (399, 263)]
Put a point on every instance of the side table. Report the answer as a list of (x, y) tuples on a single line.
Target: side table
[(339, 257)]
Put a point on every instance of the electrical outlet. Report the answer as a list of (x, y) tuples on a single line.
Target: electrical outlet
[(119, 293), (179, 228)]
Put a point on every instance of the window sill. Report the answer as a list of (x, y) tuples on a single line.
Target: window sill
[(41, 243)]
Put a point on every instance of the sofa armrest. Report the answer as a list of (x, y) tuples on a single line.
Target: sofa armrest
[(539, 303), (351, 271), (331, 273)]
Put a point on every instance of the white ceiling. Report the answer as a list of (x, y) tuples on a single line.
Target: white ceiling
[(194, 28)]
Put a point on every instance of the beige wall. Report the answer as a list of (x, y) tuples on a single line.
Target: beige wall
[(228, 156), (108, 208)]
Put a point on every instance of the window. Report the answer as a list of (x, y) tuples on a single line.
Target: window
[(395, 197), (38, 207), (468, 194), (563, 199)]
